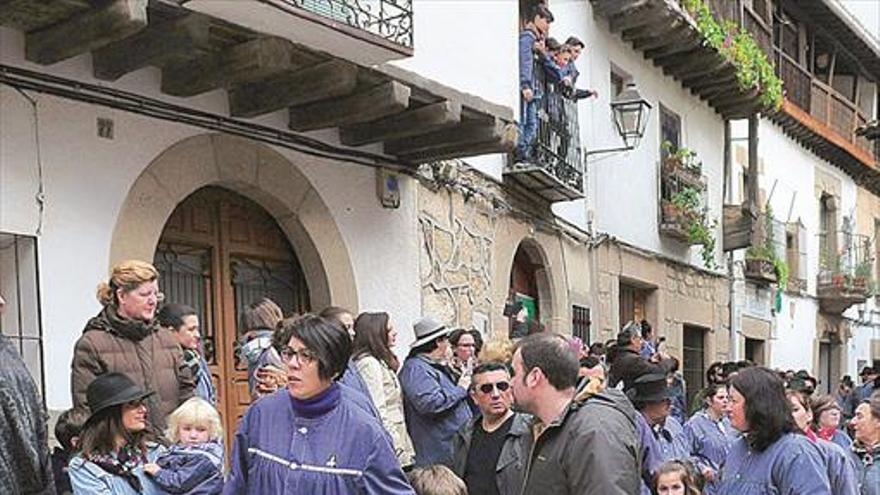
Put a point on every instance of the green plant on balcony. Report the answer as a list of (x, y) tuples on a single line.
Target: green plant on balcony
[(766, 252), (681, 158), (862, 276), (753, 69), (685, 208)]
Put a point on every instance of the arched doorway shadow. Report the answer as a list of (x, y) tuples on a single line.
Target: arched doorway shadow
[(530, 281)]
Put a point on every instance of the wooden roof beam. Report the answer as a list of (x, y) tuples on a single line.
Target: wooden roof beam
[(468, 135), (423, 120), (27, 15), (184, 38), (87, 31), (375, 103), (243, 63), (324, 81)]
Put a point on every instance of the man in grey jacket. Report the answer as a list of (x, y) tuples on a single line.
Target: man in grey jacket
[(584, 448), (24, 451), (489, 451)]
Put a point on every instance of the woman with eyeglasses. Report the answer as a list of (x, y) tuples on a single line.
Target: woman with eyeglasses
[(115, 442), (125, 337), (311, 437), (374, 359)]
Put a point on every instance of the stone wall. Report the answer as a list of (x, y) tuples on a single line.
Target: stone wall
[(678, 295), (457, 222), (470, 226)]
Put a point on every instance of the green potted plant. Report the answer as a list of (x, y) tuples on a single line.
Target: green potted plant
[(681, 163), (762, 263), (684, 218), (862, 276)]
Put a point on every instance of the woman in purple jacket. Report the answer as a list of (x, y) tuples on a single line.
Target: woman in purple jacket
[(772, 456), (311, 438)]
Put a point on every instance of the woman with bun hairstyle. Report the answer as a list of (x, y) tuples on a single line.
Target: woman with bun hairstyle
[(124, 337)]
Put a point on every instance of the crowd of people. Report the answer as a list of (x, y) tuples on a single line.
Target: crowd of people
[(336, 412)]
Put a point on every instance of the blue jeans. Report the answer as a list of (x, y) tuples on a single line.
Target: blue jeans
[(528, 129)]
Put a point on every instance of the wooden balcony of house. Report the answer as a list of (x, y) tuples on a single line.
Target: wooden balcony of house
[(823, 119), (845, 272), (554, 167), (367, 32), (821, 46), (412, 119), (668, 36)]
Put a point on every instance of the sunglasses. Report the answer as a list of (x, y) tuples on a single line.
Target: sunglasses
[(487, 388)]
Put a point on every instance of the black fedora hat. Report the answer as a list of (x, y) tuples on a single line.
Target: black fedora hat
[(650, 387), (112, 389)]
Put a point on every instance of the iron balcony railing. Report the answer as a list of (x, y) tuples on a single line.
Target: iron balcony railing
[(557, 147), (388, 19), (845, 260)]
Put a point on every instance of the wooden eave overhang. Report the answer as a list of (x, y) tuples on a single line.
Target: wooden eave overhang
[(845, 30), (827, 144), (414, 119), (668, 36)]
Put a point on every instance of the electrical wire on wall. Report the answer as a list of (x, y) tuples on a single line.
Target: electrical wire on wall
[(23, 79), (40, 195)]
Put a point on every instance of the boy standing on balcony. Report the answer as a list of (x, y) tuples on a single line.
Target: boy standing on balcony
[(575, 47), (532, 35)]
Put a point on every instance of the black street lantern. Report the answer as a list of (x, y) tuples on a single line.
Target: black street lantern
[(631, 113)]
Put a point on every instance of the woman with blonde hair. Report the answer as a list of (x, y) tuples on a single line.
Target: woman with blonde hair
[(194, 464), (125, 337)]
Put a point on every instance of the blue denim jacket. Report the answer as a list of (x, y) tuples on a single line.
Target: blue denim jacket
[(89, 479), (867, 470), (527, 40), (435, 408)]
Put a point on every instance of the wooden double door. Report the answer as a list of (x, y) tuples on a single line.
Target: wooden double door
[(219, 252)]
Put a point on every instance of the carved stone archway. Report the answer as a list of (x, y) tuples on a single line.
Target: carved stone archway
[(253, 170)]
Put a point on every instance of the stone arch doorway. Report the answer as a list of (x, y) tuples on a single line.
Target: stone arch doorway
[(530, 283), (245, 172), (220, 252)]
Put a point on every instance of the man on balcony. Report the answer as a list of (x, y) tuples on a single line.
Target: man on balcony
[(575, 48), (534, 32)]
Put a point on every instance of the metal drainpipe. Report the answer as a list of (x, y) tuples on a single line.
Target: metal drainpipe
[(733, 311)]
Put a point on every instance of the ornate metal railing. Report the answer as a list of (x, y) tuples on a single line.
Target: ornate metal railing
[(557, 147), (388, 19), (845, 260)]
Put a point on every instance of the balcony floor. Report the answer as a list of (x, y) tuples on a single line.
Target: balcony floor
[(538, 180)]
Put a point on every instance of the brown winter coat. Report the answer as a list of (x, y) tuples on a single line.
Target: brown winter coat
[(150, 356)]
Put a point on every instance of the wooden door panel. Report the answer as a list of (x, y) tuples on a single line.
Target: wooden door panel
[(220, 252)]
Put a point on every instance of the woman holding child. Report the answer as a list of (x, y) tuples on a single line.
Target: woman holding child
[(115, 442)]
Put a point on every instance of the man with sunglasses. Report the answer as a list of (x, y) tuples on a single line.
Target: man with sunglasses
[(489, 450)]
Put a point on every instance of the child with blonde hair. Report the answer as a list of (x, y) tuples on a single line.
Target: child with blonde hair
[(194, 464)]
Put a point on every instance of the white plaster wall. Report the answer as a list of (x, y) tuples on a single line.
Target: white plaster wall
[(623, 188), (87, 178), (469, 45), (787, 179)]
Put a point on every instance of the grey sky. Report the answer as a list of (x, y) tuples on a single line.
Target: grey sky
[(868, 14)]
